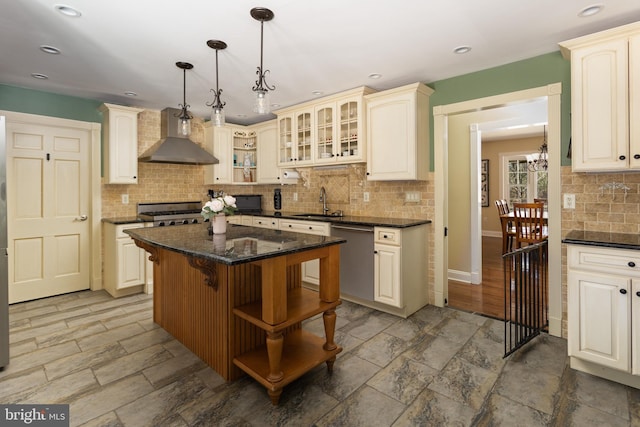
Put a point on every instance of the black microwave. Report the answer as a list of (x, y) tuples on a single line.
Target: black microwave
[(248, 203)]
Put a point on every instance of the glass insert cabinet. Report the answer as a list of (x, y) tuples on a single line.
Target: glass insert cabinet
[(329, 130)]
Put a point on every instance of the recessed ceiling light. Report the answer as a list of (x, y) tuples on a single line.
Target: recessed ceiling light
[(242, 116), (50, 49), (460, 50), (275, 105), (375, 76), (317, 93), (39, 76), (67, 10), (590, 10), (130, 93)]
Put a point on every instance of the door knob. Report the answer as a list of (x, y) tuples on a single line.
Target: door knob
[(82, 218)]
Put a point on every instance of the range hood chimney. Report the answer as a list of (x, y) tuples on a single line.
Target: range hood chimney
[(173, 148)]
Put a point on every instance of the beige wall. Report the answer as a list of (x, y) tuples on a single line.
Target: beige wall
[(491, 150), (345, 188)]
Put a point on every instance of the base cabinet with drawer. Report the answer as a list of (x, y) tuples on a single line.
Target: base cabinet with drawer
[(400, 272), (124, 262), (603, 305)]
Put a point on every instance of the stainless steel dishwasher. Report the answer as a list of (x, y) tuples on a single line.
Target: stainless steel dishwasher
[(356, 260)]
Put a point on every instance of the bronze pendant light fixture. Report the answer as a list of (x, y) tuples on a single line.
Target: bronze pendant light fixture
[(217, 114), (262, 88), (184, 118)]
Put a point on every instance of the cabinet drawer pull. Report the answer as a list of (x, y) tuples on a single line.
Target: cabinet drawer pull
[(623, 291), (631, 264), (622, 157), (636, 156)]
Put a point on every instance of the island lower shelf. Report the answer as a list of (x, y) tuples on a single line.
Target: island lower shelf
[(301, 352)]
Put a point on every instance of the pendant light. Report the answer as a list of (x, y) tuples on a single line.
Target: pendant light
[(184, 118), (538, 161), (217, 114), (261, 103)]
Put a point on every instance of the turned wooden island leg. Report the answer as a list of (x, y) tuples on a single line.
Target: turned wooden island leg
[(275, 342), (329, 318)]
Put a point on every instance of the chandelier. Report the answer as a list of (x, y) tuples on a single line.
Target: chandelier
[(217, 115), (538, 161), (184, 117), (262, 88)]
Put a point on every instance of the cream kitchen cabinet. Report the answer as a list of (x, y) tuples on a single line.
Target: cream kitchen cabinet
[(265, 222), (124, 262), (120, 144), (339, 131), (246, 154), (397, 123), (219, 142), (603, 305), (400, 273), (605, 99), (267, 171), (326, 130)]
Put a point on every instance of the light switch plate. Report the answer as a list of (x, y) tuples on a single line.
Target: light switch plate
[(569, 201)]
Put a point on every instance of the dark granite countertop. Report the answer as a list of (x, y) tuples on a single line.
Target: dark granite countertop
[(603, 239), (348, 219), (123, 220), (240, 244)]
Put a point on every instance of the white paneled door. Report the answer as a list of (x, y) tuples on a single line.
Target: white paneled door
[(48, 206)]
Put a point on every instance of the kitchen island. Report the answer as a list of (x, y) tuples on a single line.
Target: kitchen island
[(237, 302)]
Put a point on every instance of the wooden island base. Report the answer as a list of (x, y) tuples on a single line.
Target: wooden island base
[(246, 318)]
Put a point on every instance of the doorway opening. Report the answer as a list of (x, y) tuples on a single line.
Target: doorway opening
[(447, 122)]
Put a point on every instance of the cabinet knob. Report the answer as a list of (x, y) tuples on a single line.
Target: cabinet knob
[(636, 156), (375, 252), (135, 177), (631, 264), (622, 157), (623, 291), (638, 294)]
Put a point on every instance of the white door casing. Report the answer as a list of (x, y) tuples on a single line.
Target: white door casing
[(51, 214), (475, 144), (552, 92)]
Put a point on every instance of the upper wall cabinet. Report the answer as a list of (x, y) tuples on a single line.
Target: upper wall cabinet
[(325, 131), (120, 144), (398, 133), (605, 99), (246, 154)]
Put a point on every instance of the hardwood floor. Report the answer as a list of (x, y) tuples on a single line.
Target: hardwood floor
[(488, 297)]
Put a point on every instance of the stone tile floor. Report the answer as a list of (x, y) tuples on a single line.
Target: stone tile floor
[(115, 367)]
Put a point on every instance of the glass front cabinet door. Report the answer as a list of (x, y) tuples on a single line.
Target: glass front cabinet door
[(286, 148)]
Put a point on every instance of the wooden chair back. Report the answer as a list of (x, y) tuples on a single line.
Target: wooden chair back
[(508, 230), (530, 224)]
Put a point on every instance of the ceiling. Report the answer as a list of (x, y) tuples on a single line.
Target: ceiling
[(329, 46)]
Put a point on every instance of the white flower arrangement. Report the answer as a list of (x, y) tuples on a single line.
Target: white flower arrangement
[(217, 205)]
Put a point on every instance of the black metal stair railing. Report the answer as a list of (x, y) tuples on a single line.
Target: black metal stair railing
[(526, 298)]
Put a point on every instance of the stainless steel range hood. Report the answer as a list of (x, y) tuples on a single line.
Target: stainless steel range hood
[(173, 148)]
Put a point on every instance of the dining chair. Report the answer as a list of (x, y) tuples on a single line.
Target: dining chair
[(530, 225), (508, 229)]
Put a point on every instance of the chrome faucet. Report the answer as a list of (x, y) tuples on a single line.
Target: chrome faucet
[(323, 199)]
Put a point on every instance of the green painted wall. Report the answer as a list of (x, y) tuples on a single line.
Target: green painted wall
[(526, 74), (49, 104)]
